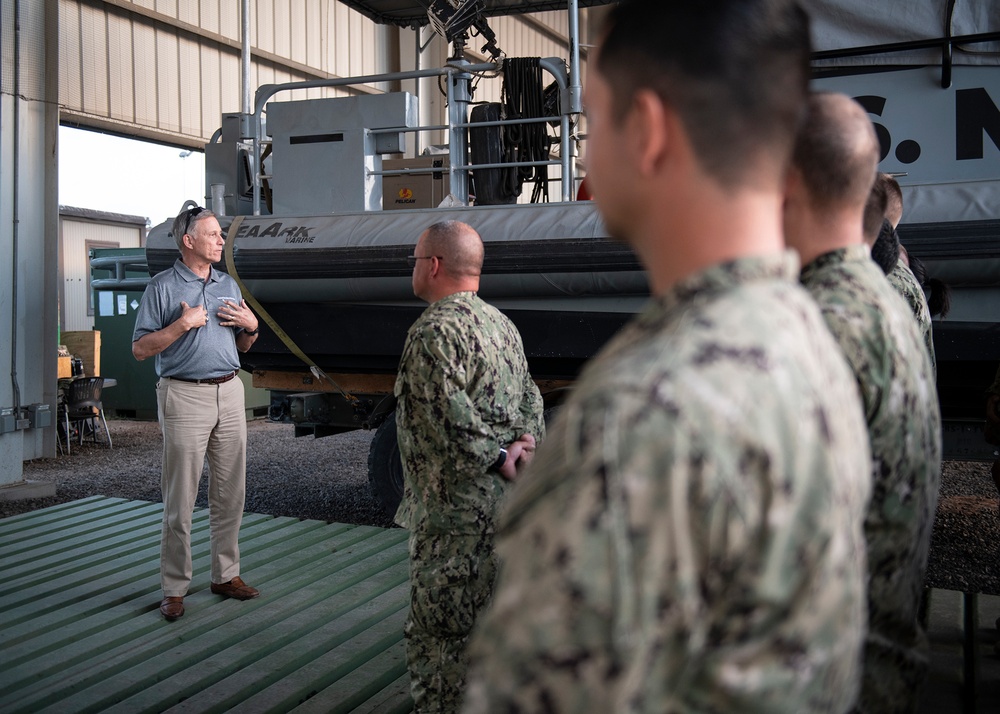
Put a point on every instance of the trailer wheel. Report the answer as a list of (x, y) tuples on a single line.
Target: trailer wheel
[(385, 468)]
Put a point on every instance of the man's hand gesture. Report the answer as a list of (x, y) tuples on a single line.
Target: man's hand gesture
[(192, 317), (519, 455)]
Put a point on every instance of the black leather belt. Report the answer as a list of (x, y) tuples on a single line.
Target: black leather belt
[(211, 380)]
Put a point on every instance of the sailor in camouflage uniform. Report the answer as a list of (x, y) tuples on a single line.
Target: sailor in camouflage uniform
[(832, 171), (468, 413), (689, 536), (887, 193), (906, 284)]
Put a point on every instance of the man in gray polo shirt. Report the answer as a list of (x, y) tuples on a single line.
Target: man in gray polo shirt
[(193, 319)]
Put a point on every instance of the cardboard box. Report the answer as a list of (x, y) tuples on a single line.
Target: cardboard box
[(85, 344), (65, 367)]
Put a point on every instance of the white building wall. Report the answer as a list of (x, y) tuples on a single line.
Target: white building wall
[(77, 238)]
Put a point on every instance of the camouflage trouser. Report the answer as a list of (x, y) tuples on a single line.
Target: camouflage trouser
[(451, 581), (892, 679)]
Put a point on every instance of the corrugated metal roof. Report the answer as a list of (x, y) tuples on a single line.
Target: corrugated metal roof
[(413, 13), (91, 214), (80, 629)]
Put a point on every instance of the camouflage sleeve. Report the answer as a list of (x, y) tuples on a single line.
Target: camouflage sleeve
[(439, 407), (654, 556), (532, 409), (903, 280)]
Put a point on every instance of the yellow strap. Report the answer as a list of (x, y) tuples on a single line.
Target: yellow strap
[(261, 312)]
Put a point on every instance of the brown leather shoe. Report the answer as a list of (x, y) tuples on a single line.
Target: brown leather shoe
[(171, 608), (235, 588)]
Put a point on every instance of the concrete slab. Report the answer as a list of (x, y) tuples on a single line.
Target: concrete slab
[(23, 490)]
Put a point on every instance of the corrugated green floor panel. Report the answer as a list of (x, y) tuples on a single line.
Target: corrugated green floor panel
[(80, 630)]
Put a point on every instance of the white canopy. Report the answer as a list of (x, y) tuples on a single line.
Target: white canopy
[(840, 24)]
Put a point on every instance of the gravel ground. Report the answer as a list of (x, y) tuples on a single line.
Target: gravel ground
[(326, 479), (965, 547)]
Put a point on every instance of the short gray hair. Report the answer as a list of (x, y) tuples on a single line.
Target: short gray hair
[(185, 219)]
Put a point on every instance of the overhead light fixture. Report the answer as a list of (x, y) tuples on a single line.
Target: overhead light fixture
[(452, 19)]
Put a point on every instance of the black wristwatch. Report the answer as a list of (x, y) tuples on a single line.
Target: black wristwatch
[(501, 459), (251, 332)]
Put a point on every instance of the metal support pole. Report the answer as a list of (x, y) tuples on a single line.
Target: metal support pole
[(575, 108), (575, 88), (458, 141), (567, 147), (245, 56), (257, 168), (249, 124), (417, 51)]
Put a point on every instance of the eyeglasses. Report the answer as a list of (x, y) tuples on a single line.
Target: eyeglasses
[(189, 216), (411, 260)]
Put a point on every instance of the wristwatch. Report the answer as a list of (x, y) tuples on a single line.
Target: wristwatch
[(251, 332), (501, 459)]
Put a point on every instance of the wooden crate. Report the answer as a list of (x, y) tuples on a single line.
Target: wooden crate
[(65, 367), (85, 344)]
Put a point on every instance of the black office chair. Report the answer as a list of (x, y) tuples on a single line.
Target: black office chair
[(83, 408)]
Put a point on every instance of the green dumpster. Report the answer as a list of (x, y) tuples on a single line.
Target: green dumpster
[(134, 396)]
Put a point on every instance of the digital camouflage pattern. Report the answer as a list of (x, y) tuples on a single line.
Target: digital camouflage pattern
[(884, 348), (689, 536), (464, 391), (451, 582), (905, 282)]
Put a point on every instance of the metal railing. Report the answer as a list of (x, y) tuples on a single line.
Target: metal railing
[(459, 76), (119, 265)]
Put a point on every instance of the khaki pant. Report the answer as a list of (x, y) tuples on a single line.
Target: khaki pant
[(200, 420)]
